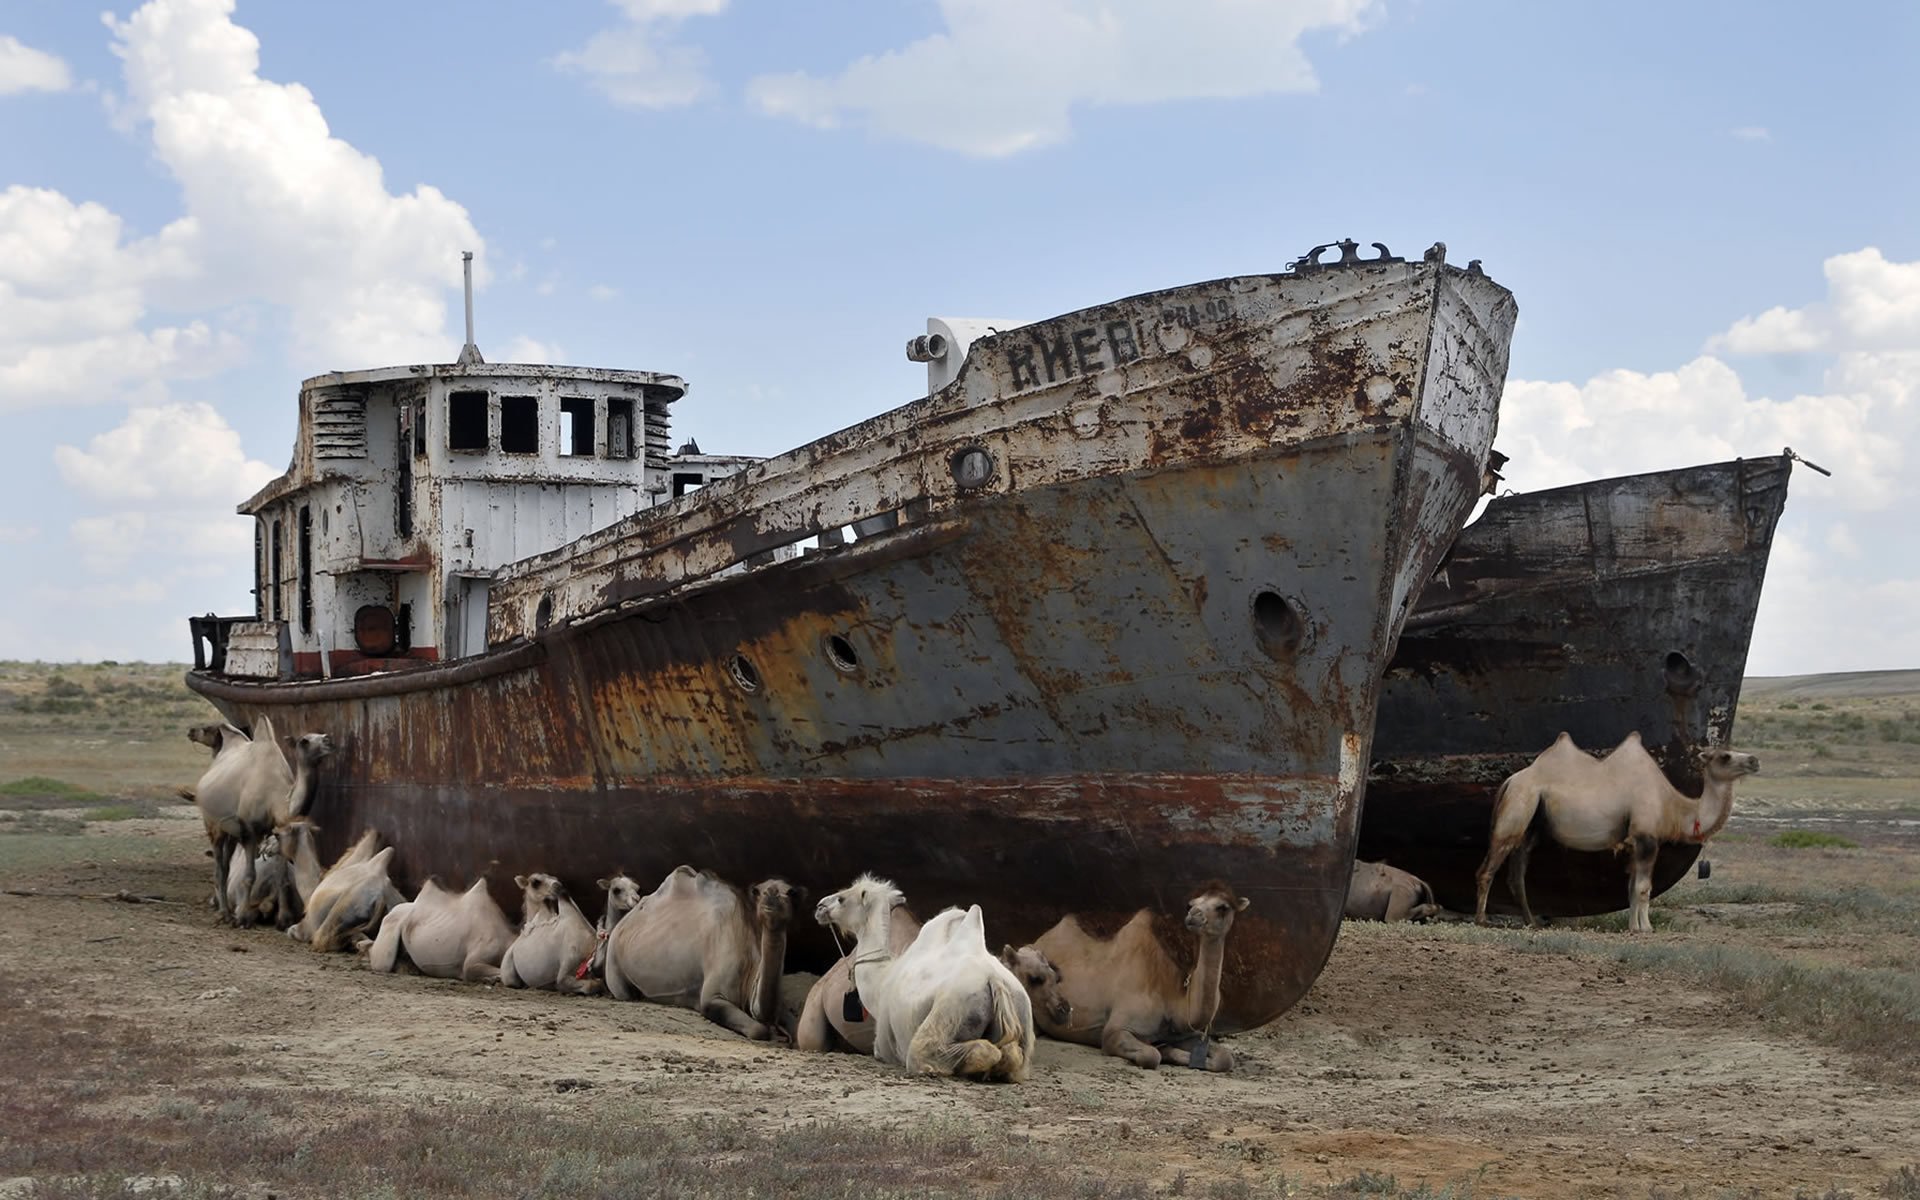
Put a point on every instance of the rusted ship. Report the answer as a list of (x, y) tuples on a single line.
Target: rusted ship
[(1605, 607), (1100, 618)]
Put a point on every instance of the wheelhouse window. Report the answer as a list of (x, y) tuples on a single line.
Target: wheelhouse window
[(277, 557), (576, 427), (520, 424), (306, 568), (619, 427), (467, 421)]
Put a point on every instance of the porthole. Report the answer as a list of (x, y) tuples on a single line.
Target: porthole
[(745, 675), (972, 468), (841, 654), (1683, 678), (1277, 626), (543, 615)]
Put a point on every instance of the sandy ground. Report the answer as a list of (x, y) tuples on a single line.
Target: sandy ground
[(1415, 1055)]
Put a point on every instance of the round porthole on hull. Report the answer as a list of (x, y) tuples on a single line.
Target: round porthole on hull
[(972, 468), (745, 675), (841, 654), (1277, 626)]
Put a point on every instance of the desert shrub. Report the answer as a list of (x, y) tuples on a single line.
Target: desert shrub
[(1810, 839)]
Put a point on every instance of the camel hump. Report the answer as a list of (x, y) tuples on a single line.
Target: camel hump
[(263, 729)]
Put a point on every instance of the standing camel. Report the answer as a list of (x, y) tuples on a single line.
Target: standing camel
[(1126, 992), (1619, 802), (249, 790)]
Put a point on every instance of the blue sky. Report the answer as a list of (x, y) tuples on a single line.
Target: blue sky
[(1707, 212)]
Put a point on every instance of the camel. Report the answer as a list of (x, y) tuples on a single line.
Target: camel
[(699, 942), (833, 1017), (1126, 991), (299, 840), (943, 1006), (555, 940), (1041, 979), (350, 900), (1621, 801), (623, 896), (1378, 892), (218, 736), (249, 789), (445, 934), (240, 882), (268, 898)]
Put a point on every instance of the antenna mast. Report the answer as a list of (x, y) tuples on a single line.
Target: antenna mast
[(469, 353)]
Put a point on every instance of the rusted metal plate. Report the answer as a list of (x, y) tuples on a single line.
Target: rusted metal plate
[(1144, 655), (1611, 606)]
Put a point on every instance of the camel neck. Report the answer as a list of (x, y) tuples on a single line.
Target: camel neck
[(773, 961), (1203, 986), (302, 790), (1711, 810), (306, 871)]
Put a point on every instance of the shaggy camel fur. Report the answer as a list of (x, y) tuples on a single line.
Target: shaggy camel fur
[(299, 848), (268, 898), (1619, 802), (1378, 892), (623, 896), (554, 940), (1041, 979), (240, 882), (943, 1006), (249, 789), (1127, 995), (699, 942), (350, 900), (824, 1020), (445, 934)]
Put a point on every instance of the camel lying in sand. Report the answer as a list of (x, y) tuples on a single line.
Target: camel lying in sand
[(350, 900), (1378, 892), (249, 789), (445, 934), (270, 897), (833, 1016), (1620, 802), (699, 942), (943, 1006), (554, 940), (623, 896), (1126, 991)]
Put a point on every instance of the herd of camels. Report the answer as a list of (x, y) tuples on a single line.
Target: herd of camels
[(927, 997)]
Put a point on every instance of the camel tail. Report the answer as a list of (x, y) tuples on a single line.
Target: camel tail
[(1016, 1038)]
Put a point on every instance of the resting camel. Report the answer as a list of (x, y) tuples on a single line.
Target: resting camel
[(268, 898), (555, 940), (249, 789), (623, 896), (945, 1005), (1619, 802), (825, 1023), (1126, 991), (1378, 892), (699, 942), (445, 934), (350, 900)]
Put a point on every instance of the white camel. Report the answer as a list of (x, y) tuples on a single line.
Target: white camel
[(833, 1016), (351, 899), (945, 1005), (268, 897), (249, 789), (623, 896), (445, 934), (555, 940), (1619, 802), (699, 942)]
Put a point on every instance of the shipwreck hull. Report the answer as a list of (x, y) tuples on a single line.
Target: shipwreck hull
[(1599, 609), (1141, 656)]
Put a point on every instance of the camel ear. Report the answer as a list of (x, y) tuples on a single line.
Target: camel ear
[(1007, 955), (754, 892), (520, 881), (1241, 904), (606, 885)]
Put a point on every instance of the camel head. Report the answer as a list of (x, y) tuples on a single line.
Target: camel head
[(538, 891), (206, 735), (773, 901), (1211, 911), (1041, 979), (850, 908), (310, 748), (289, 836), (1723, 765), (623, 896)]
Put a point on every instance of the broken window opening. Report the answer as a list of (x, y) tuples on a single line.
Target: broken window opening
[(576, 427), (306, 568), (259, 571), (278, 548), (687, 481), (419, 410), (619, 427), (466, 421), (520, 424)]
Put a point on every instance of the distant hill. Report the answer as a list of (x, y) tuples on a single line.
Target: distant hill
[(1862, 684)]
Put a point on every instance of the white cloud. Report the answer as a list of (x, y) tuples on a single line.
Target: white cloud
[(640, 65), (1005, 75), (16, 534), (1752, 133), (166, 457), (602, 292), (523, 349), (24, 69), (1872, 305)]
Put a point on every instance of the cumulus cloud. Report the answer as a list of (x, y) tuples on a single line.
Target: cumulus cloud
[(1005, 75), (523, 349), (1753, 133), (24, 69), (1871, 305), (641, 64)]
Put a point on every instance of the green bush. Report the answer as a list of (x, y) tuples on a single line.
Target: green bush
[(1808, 839)]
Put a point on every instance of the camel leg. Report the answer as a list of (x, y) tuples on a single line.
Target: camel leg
[(1120, 1042), (1399, 904), (814, 1034), (1513, 809), (573, 986), (1219, 1057), (385, 954), (476, 970), (724, 1012), (222, 857), (948, 1041), (1517, 879), (1639, 919)]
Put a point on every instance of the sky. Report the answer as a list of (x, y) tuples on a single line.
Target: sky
[(1709, 213)]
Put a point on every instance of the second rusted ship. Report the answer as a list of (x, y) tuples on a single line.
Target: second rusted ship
[(1101, 618)]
